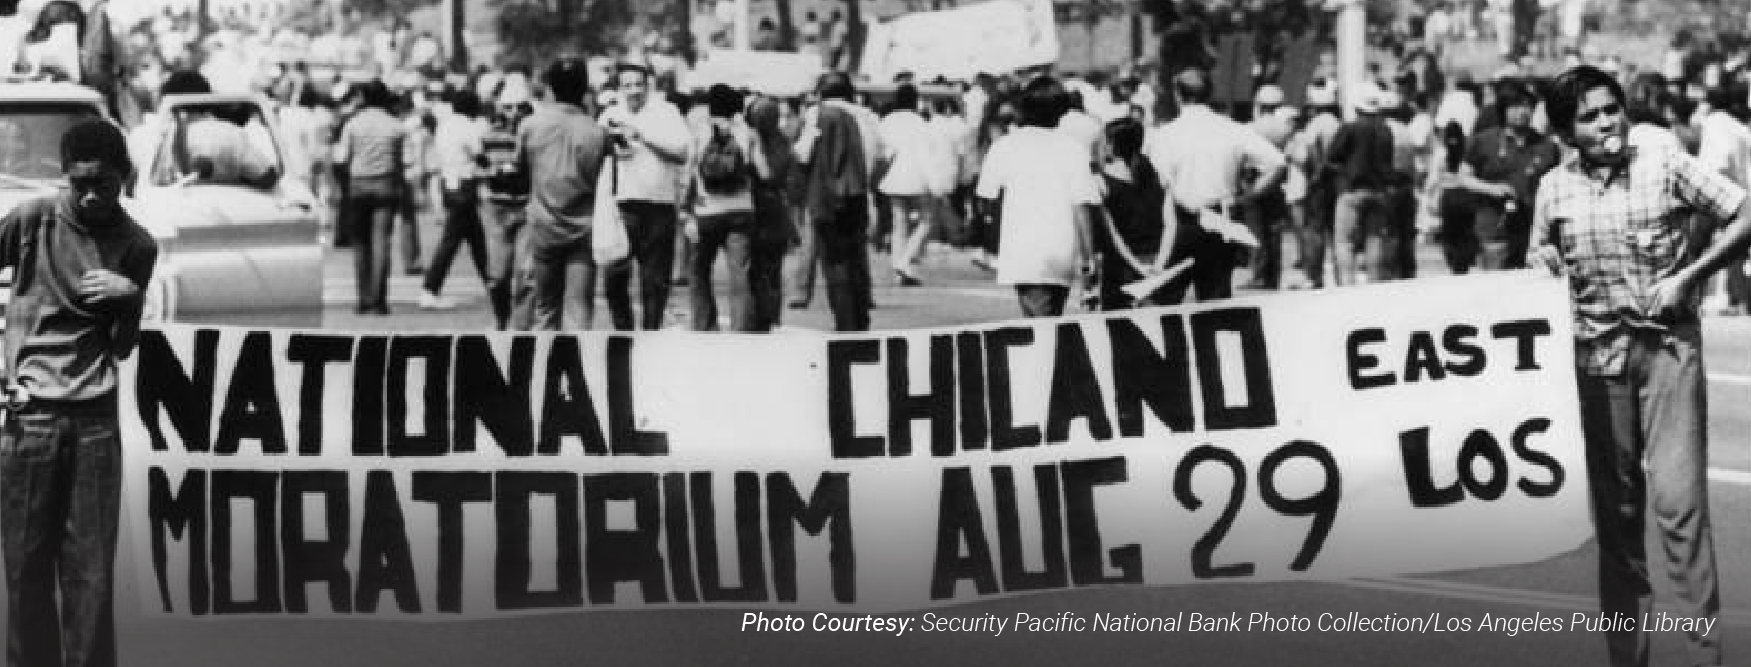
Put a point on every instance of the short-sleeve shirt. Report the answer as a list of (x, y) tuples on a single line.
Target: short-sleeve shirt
[(1202, 157), (1620, 236), (1500, 155), (1042, 176), (373, 145), (563, 148)]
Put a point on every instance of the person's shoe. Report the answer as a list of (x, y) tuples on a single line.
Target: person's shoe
[(984, 263), (416, 270), (361, 309), (798, 304), (904, 279), (381, 309), (430, 301)]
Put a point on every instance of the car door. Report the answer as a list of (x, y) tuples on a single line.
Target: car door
[(237, 250)]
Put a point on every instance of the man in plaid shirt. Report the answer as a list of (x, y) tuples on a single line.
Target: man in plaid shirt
[(1613, 219)]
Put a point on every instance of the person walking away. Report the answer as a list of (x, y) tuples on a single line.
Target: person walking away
[(1202, 157), (459, 148), (910, 151), (373, 147), (505, 214), (1274, 121), (561, 148), (1606, 220), (720, 192), (1133, 199), (650, 140), (1306, 153), (775, 167), (80, 266), (1362, 154), (1038, 179), (836, 186)]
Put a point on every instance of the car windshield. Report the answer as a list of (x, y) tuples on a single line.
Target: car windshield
[(227, 143), (30, 139)]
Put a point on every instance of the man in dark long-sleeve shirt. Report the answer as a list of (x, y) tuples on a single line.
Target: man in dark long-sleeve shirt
[(1361, 153), (80, 265)]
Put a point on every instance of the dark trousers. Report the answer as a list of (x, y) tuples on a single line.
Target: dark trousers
[(772, 237), (1476, 233), (1316, 230), (1656, 410), (1042, 300), (373, 222), (408, 208), (60, 482), (650, 229), (1266, 220), (733, 233), (1213, 260), (461, 225), (504, 232), (845, 261)]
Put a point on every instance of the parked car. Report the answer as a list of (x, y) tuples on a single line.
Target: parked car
[(230, 253)]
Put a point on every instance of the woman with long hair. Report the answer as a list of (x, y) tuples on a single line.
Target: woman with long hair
[(775, 166)]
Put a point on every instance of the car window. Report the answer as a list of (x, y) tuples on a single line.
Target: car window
[(223, 143), (30, 138)]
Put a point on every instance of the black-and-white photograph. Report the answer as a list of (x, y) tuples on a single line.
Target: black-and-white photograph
[(875, 332)]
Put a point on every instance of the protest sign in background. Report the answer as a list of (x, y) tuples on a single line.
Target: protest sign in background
[(770, 72), (1388, 429), (995, 37)]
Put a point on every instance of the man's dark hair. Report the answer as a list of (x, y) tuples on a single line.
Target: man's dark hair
[(1569, 88), (835, 86), (185, 82), (1073, 100), (465, 103), (375, 93), (1125, 136), (1192, 86), (569, 80), (1043, 101), (722, 101), (906, 98), (96, 140)]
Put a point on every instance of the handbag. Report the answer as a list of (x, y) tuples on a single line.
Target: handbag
[(608, 240)]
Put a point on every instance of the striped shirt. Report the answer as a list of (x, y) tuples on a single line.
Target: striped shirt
[(1621, 235), (373, 144)]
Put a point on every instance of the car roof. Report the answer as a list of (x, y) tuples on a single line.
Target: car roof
[(42, 91), (208, 98)]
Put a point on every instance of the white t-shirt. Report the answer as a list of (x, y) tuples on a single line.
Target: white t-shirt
[(912, 149), (1085, 129), (1042, 176)]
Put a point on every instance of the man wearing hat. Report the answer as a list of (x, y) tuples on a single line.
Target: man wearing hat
[(1306, 152), (1276, 123), (1361, 153), (1203, 158)]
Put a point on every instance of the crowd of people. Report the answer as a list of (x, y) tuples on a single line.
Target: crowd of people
[(1104, 191)]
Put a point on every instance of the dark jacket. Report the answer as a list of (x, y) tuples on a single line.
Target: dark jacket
[(836, 167)]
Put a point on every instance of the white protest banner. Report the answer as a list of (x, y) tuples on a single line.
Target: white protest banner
[(1407, 427), (770, 72), (996, 37)]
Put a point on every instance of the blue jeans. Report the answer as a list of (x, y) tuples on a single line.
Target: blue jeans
[(1656, 409), (60, 500)]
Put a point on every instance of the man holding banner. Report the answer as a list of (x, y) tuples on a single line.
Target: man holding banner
[(1612, 217)]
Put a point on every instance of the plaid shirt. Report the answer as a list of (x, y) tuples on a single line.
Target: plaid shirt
[(1621, 235)]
